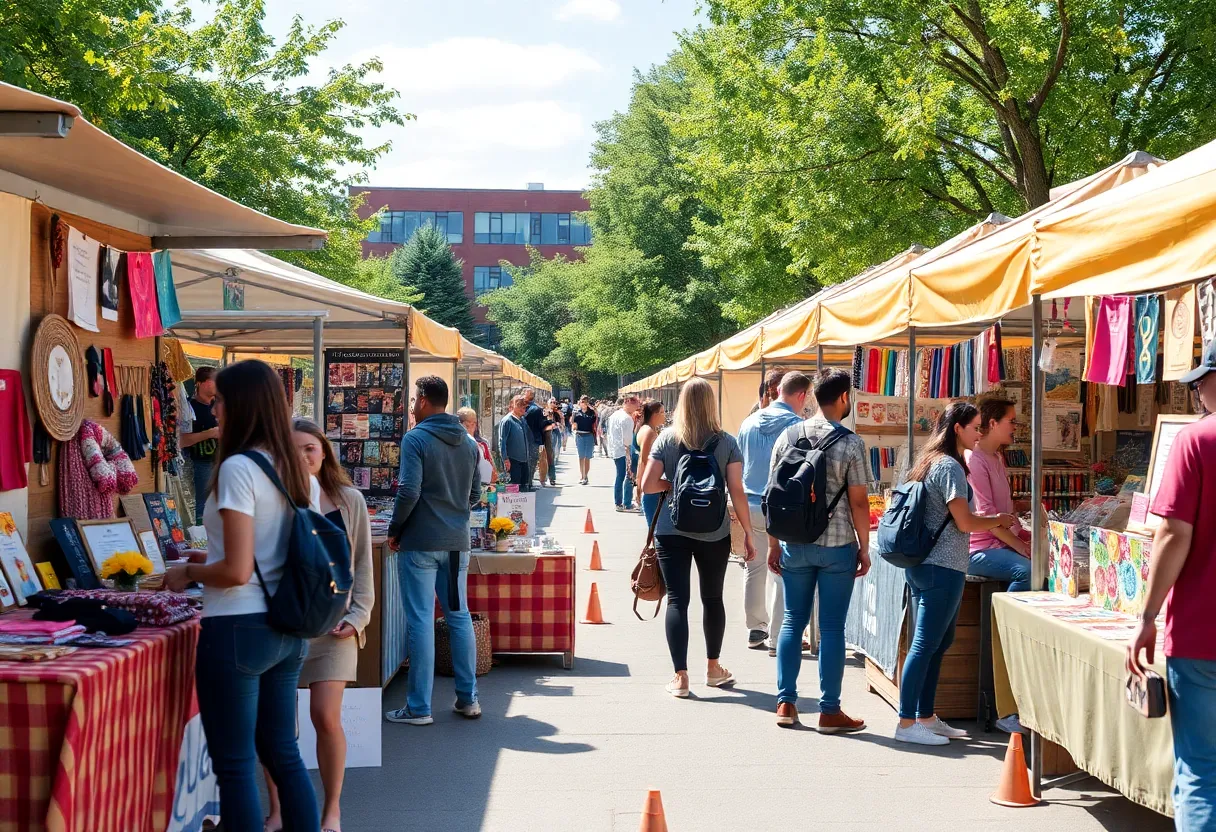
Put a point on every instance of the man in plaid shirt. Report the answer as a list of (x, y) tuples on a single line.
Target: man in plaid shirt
[(831, 563)]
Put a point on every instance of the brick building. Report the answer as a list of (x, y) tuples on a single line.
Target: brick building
[(484, 227)]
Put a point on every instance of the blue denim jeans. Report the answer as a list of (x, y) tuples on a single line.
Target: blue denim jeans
[(1002, 565), (805, 566), (650, 504), (201, 478), (622, 489), (1192, 692), (423, 574), (246, 675), (936, 595)]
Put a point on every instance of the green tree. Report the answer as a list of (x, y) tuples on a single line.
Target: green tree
[(427, 264), (847, 131), (220, 102), (374, 275), (530, 312)]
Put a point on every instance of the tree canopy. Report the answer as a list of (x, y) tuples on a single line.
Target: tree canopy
[(219, 101)]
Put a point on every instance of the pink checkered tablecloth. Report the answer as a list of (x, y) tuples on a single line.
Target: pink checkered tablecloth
[(529, 613)]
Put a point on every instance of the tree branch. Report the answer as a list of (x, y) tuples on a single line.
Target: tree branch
[(955, 202), (1036, 100), (821, 166), (193, 147), (979, 157), (977, 186)]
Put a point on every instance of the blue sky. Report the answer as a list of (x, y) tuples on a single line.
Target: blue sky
[(505, 93)]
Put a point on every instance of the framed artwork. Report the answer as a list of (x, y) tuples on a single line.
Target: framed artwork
[(151, 549), (7, 598), (1168, 428), (18, 566), (67, 535), (105, 538)]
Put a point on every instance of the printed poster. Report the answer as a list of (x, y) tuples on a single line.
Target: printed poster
[(1179, 332), (110, 261), (1063, 382), (521, 508), (82, 259), (363, 389), (1061, 426), (882, 411)]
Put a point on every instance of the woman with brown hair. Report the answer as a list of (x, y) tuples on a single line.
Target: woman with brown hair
[(333, 659), (653, 417), (246, 671), (696, 428)]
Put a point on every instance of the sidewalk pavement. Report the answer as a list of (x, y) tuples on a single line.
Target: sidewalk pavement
[(577, 750)]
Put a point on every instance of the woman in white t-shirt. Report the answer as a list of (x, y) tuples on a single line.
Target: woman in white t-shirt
[(246, 672)]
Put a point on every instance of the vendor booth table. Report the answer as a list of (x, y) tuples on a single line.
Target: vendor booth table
[(1066, 683), (93, 741), (530, 610)]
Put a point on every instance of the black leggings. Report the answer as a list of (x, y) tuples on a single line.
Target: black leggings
[(676, 554)]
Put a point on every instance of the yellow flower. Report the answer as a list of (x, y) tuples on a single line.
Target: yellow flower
[(502, 526), (132, 563)]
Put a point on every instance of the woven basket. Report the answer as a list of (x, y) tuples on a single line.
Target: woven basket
[(443, 646), (61, 423)]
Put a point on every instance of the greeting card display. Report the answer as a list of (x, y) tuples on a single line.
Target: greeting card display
[(1119, 564), (166, 522), (1067, 558), (521, 508), (363, 414), (18, 566)]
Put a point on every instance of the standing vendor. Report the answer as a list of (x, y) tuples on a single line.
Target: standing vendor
[(204, 438)]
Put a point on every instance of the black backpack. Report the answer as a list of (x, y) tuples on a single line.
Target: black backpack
[(795, 503), (314, 592), (903, 538), (698, 493)]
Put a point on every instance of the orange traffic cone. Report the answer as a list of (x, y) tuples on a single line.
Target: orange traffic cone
[(595, 566), (653, 819), (594, 614), (1014, 787), (589, 527)]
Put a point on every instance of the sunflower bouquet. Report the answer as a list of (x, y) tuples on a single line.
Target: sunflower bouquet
[(502, 527), (125, 570)]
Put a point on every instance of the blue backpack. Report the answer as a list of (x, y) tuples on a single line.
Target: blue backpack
[(903, 538), (314, 592), (698, 493)]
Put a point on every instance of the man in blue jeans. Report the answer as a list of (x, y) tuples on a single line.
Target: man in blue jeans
[(620, 431), (1184, 569), (831, 563), (439, 483)]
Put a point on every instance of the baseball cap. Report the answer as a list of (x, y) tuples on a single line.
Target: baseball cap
[(1207, 364)]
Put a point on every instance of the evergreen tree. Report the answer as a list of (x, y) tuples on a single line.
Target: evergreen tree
[(426, 264)]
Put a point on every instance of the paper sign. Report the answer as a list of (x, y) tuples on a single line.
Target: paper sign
[(521, 508), (361, 720), (82, 259)]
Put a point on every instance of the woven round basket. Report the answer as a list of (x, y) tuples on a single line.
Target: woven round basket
[(57, 377), (443, 646)]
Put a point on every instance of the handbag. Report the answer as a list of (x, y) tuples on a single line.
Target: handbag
[(1146, 693), (647, 579)]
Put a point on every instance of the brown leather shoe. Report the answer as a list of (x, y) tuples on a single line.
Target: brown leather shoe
[(787, 714), (839, 723)]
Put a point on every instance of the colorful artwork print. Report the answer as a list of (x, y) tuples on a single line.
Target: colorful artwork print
[(1063, 382), (350, 401), (352, 453), (348, 426), (18, 566), (1119, 572), (1067, 559), (382, 478), (336, 401), (371, 452), (375, 400), (333, 426)]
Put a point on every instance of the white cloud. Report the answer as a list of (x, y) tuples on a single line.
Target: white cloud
[(527, 125), (603, 11), (474, 63)]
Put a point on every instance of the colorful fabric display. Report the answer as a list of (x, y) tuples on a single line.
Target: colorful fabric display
[(1147, 327), (141, 282), (166, 292), (151, 609), (16, 438), (1108, 361)]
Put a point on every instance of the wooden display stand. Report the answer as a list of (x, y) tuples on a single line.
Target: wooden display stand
[(384, 651), (958, 685)]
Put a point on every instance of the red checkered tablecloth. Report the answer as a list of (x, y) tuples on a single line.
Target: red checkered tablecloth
[(90, 741), (529, 613)]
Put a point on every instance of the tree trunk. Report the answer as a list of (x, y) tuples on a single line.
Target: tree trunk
[(1036, 186)]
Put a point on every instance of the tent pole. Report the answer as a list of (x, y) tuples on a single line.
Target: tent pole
[(406, 382), (1036, 499), (911, 395), (719, 395), (318, 370), (818, 359)]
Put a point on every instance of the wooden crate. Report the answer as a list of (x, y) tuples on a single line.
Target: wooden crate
[(958, 683)]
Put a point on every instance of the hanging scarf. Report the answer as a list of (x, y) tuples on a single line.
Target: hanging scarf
[(108, 465)]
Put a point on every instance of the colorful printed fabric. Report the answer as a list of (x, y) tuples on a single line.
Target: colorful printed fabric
[(1147, 328), (151, 609), (1109, 353), (857, 368), (166, 292), (141, 282)]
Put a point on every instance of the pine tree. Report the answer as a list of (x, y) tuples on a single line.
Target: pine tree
[(427, 264)]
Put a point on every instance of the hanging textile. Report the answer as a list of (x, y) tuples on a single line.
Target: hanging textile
[(1206, 301), (141, 283), (109, 283), (902, 376), (1147, 319), (924, 371), (872, 371), (1109, 349), (1179, 332), (858, 376), (1108, 408), (1000, 351), (166, 292), (174, 356)]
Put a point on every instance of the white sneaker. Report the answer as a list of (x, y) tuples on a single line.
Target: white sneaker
[(939, 727), (920, 735), (471, 711), (1011, 725)]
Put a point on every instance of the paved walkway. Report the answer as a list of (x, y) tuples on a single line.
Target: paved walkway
[(576, 750)]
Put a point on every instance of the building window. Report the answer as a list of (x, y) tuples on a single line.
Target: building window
[(399, 226), (489, 278), (530, 228)]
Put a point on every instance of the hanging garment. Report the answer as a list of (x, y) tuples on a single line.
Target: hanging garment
[(1001, 371), (166, 292), (141, 283), (96, 373), (857, 369), (1109, 349), (111, 387), (1147, 326), (1179, 325), (174, 356), (16, 438), (924, 371), (1093, 401), (108, 293), (128, 429), (1206, 301), (1146, 406), (872, 372), (1108, 408), (82, 255)]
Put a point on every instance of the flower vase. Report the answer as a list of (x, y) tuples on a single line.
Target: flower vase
[(126, 583), (501, 544)]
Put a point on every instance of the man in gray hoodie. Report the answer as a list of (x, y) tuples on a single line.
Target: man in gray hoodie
[(430, 527)]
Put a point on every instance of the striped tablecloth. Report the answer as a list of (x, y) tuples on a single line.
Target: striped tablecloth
[(91, 741)]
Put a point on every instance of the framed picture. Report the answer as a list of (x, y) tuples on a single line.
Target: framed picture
[(151, 549), (67, 535), (18, 566), (106, 538), (7, 598), (1168, 428)]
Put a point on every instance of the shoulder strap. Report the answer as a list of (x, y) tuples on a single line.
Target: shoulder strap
[(654, 520)]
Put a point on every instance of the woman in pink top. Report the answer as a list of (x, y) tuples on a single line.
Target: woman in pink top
[(1002, 554)]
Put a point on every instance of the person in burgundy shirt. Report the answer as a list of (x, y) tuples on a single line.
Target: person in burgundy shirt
[(1183, 576)]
